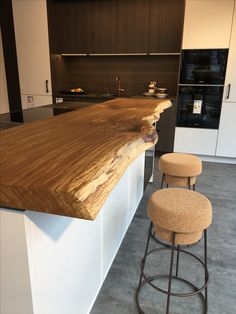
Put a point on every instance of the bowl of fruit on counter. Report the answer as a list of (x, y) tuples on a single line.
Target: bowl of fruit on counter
[(74, 91)]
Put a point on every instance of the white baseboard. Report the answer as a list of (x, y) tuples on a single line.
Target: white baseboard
[(223, 160)]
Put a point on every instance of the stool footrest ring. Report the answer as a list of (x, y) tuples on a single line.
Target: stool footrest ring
[(151, 278), (147, 279)]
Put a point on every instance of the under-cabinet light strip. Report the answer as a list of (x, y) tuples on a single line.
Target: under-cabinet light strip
[(164, 53), (120, 54), (103, 54), (216, 85), (74, 54)]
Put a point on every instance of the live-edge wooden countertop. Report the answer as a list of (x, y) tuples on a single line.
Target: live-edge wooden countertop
[(69, 164)]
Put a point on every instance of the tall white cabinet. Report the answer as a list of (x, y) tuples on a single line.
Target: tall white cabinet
[(226, 144), (207, 24), (31, 32), (210, 24)]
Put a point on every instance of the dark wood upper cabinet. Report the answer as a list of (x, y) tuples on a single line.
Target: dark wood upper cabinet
[(68, 22), (166, 25), (101, 27), (82, 26), (132, 26), (115, 26)]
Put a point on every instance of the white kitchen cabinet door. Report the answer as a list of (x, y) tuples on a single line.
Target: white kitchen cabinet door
[(230, 81), (136, 184), (207, 24), (226, 143), (31, 101), (115, 221), (64, 262), (195, 141), (32, 45)]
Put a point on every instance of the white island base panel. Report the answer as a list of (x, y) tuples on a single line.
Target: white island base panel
[(54, 264)]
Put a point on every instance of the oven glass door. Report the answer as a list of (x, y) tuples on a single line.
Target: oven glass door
[(203, 66), (199, 106)]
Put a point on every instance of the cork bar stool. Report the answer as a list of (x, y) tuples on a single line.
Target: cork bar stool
[(179, 169), (179, 216)]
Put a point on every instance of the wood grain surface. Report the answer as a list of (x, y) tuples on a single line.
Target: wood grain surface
[(69, 164)]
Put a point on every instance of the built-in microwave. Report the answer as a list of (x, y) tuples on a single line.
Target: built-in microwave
[(203, 66)]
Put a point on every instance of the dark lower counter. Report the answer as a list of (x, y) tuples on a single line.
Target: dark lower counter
[(13, 119)]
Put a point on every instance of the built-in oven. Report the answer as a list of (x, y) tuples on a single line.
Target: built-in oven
[(199, 106), (201, 84)]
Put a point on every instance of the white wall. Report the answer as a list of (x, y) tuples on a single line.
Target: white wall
[(4, 103)]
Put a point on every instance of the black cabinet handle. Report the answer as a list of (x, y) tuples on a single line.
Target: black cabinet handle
[(47, 90), (229, 86)]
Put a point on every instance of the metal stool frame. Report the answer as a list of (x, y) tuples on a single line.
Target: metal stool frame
[(173, 248)]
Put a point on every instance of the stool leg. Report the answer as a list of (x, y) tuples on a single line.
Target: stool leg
[(170, 273), (145, 255), (189, 183), (205, 260), (177, 263), (162, 180)]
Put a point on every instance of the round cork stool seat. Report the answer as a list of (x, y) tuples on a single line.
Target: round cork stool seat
[(179, 216), (185, 212), (180, 169)]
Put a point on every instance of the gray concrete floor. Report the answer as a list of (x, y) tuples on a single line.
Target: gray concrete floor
[(218, 183)]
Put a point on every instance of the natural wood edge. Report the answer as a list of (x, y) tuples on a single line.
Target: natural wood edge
[(85, 201), (126, 155)]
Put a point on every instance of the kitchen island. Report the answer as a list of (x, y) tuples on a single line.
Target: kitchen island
[(66, 171), (73, 161)]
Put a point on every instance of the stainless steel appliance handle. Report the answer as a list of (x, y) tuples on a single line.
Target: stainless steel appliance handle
[(47, 90), (228, 93)]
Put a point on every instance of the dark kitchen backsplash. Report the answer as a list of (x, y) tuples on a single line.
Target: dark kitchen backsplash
[(97, 74)]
